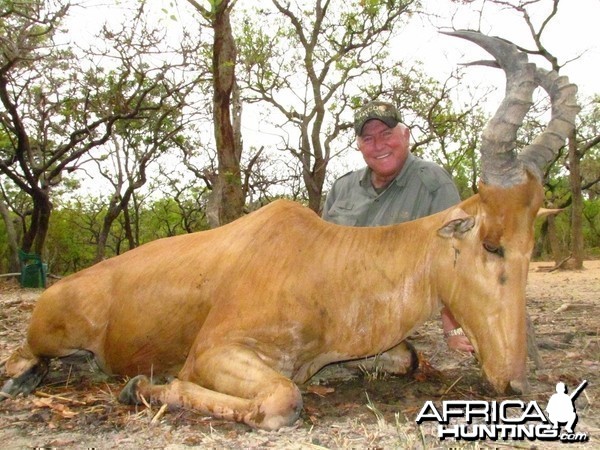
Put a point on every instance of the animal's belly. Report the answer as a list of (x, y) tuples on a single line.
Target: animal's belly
[(154, 347)]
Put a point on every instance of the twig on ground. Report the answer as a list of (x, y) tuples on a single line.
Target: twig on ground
[(452, 385), (59, 397), (159, 414)]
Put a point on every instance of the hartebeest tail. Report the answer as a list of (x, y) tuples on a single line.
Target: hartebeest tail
[(242, 313)]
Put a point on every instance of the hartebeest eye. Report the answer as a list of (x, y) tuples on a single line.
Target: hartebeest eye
[(494, 249)]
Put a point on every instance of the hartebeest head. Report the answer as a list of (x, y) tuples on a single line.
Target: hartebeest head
[(492, 237)]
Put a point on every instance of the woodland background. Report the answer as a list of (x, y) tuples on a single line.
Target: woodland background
[(139, 133)]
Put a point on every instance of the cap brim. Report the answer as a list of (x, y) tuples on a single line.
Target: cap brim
[(389, 121)]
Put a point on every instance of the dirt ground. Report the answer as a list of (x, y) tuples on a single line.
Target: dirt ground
[(76, 407)]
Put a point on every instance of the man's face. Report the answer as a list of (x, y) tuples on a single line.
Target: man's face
[(384, 149)]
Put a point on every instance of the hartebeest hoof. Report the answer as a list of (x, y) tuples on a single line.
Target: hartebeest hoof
[(129, 395), (518, 387), (24, 383), (400, 360)]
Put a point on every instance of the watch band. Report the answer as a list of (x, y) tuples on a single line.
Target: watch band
[(456, 332)]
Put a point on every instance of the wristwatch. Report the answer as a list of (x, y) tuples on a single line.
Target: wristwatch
[(456, 332)]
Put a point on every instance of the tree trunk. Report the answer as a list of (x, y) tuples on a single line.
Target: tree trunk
[(231, 198), (555, 249), (313, 180), (314, 165), (35, 237), (127, 226), (576, 205), (11, 237), (115, 207), (111, 215)]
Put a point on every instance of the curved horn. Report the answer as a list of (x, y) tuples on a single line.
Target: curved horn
[(500, 164), (563, 96)]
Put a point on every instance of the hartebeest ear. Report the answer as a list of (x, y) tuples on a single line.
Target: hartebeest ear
[(457, 224)]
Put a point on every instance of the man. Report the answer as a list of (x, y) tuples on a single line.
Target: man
[(395, 187)]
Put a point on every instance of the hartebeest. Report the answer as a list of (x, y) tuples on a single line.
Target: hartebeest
[(243, 312)]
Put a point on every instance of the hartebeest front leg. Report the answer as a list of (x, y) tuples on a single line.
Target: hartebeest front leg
[(239, 386)]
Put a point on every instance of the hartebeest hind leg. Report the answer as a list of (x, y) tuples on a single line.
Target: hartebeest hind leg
[(231, 383), (25, 370)]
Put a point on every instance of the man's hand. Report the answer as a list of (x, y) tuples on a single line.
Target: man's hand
[(455, 336), (460, 343)]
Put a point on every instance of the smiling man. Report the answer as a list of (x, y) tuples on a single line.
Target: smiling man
[(394, 187)]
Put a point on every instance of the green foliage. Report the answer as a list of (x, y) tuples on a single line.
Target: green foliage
[(75, 227), (4, 248), (166, 217), (591, 231), (72, 236)]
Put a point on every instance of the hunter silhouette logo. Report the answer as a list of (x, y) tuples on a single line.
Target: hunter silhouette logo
[(506, 420), (561, 406)]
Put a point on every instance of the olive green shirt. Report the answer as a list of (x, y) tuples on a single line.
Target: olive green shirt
[(420, 189)]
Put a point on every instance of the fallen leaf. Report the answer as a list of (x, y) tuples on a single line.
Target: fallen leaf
[(420, 377), (348, 406), (64, 411), (562, 308), (42, 402), (589, 363), (319, 390), (59, 408), (311, 410), (426, 370)]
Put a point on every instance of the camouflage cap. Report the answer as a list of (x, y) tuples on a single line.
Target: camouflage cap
[(384, 111)]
